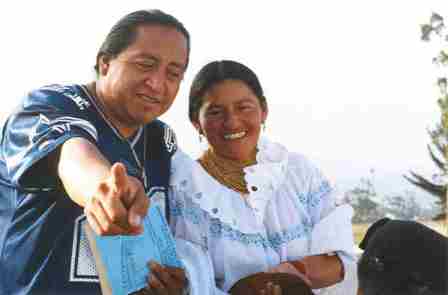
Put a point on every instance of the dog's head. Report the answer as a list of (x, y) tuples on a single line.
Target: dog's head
[(403, 257)]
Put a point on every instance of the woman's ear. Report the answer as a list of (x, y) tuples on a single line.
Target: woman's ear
[(264, 114)]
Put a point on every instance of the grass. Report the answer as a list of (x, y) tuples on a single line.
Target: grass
[(359, 230)]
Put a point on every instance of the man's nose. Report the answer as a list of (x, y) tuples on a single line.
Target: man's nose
[(155, 81)]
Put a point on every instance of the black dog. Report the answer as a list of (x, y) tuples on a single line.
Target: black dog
[(403, 258)]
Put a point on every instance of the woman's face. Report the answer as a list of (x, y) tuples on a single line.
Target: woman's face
[(230, 118)]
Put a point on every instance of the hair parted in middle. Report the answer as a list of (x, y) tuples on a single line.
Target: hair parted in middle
[(216, 72)]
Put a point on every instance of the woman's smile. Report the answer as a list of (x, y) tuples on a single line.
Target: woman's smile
[(232, 136)]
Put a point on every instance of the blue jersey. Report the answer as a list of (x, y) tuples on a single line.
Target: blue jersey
[(43, 248)]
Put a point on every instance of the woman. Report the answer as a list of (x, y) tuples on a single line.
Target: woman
[(248, 202)]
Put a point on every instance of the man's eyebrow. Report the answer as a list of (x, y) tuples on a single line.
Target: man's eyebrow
[(146, 56), (176, 64), (155, 58)]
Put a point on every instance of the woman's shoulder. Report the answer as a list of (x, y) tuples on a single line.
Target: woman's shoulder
[(187, 174), (275, 152)]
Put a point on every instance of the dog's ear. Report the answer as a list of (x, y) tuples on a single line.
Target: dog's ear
[(370, 232)]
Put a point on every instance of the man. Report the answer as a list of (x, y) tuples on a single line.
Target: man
[(90, 153)]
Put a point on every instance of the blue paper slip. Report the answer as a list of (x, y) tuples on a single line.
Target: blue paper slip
[(122, 261)]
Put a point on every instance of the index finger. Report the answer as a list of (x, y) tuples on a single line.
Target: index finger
[(118, 177)]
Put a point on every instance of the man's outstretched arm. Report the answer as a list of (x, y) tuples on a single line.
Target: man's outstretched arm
[(114, 202)]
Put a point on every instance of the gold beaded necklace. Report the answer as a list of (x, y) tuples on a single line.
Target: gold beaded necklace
[(227, 172)]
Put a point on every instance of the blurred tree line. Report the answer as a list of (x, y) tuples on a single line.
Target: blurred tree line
[(435, 31), (369, 205)]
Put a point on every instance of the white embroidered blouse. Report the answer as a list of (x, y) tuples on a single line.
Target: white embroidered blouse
[(290, 213)]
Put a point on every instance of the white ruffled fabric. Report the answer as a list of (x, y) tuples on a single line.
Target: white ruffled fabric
[(197, 265), (288, 214)]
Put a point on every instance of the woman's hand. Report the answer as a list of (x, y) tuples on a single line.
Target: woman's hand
[(287, 267), (165, 280), (271, 289)]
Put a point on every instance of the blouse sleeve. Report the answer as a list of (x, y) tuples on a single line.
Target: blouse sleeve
[(331, 226)]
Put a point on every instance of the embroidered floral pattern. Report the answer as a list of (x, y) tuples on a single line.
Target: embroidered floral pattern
[(219, 229), (222, 230), (286, 236), (312, 199), (192, 213)]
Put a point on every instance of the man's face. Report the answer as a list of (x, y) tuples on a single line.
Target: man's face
[(140, 84)]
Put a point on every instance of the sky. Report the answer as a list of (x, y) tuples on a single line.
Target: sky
[(349, 83)]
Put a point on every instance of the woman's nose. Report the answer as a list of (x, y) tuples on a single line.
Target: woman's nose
[(231, 120)]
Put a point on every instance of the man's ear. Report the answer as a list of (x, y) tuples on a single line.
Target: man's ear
[(103, 64)]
